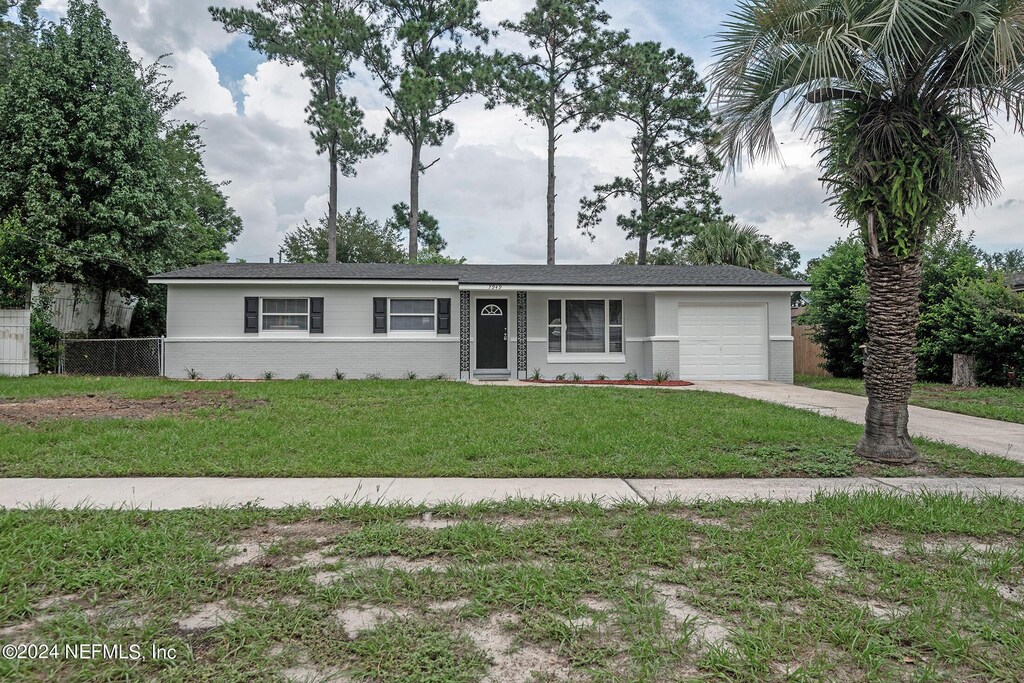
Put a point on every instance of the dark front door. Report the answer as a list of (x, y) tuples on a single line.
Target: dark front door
[(491, 334)]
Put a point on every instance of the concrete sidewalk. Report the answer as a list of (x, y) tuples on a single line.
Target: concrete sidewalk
[(160, 493)]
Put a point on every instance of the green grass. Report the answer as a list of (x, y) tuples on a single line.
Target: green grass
[(429, 428), (845, 587), (996, 403)]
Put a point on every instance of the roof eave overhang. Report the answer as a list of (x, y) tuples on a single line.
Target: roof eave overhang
[(483, 287), (294, 281)]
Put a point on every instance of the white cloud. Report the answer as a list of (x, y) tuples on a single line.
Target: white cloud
[(196, 77), (278, 92)]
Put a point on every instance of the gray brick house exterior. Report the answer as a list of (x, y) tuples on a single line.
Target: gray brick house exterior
[(493, 321)]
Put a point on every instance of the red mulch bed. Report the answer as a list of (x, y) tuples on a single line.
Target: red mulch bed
[(619, 382)]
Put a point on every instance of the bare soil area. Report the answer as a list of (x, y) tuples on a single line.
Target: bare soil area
[(96, 407)]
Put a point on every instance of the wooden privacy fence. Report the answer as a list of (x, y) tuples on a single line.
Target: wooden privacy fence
[(15, 355), (807, 357)]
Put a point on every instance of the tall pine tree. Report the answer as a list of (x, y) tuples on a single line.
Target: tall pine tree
[(419, 58), (323, 37), (658, 92), (557, 83)]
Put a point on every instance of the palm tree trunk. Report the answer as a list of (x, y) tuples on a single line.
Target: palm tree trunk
[(894, 285)]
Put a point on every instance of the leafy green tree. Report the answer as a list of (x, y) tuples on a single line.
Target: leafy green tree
[(836, 307), (899, 96), (16, 35), (429, 232), (418, 56), (659, 93), (323, 36), (659, 256), (83, 162), (556, 83), (983, 317), (362, 241), (1009, 262), (205, 221)]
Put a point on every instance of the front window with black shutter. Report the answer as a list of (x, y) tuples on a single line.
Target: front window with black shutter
[(285, 315), (412, 315)]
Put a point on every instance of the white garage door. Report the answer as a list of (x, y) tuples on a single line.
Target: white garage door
[(723, 341)]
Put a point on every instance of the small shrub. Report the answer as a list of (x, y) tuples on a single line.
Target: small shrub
[(410, 374), (338, 374), (631, 376), (230, 376), (374, 375), (192, 373), (268, 375), (303, 375), (662, 376), (576, 377), (601, 377), (561, 377), (441, 377), (535, 375)]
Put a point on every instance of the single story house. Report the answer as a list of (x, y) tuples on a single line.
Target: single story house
[(478, 321)]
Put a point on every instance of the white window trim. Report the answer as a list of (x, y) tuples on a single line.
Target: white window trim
[(284, 333), (564, 356), (420, 334)]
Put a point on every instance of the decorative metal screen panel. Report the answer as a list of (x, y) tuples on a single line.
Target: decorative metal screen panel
[(521, 333), (464, 334), (129, 357)]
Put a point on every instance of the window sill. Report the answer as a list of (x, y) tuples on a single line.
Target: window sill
[(571, 358), (283, 334)]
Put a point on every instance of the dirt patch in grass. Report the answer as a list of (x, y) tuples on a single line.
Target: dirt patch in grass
[(617, 382), (355, 620), (96, 407), (208, 616), (512, 661)]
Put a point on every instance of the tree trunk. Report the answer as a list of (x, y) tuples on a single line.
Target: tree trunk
[(645, 205), (102, 324), (414, 201), (332, 209), (551, 192), (894, 285), (963, 370)]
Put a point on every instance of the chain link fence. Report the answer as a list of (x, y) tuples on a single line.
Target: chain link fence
[(125, 357)]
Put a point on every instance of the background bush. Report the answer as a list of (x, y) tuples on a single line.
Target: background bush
[(966, 307)]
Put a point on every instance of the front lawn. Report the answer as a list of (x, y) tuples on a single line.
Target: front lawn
[(865, 587), (996, 403), (58, 426)]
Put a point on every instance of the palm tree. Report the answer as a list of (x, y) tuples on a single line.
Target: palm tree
[(732, 244), (899, 94)]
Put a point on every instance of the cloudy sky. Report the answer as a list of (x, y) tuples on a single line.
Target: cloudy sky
[(488, 186)]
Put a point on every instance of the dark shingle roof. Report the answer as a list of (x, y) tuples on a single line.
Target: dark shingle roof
[(606, 275), (1016, 281)]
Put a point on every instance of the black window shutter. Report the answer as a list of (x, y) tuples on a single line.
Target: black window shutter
[(316, 315), (444, 316), (252, 314), (380, 314)]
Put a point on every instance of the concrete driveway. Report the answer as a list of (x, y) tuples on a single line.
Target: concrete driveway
[(1005, 439)]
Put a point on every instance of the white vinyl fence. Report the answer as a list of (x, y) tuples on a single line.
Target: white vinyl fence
[(14, 342)]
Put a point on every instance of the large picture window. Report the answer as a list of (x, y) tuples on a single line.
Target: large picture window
[(585, 326), (412, 315), (285, 315)]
